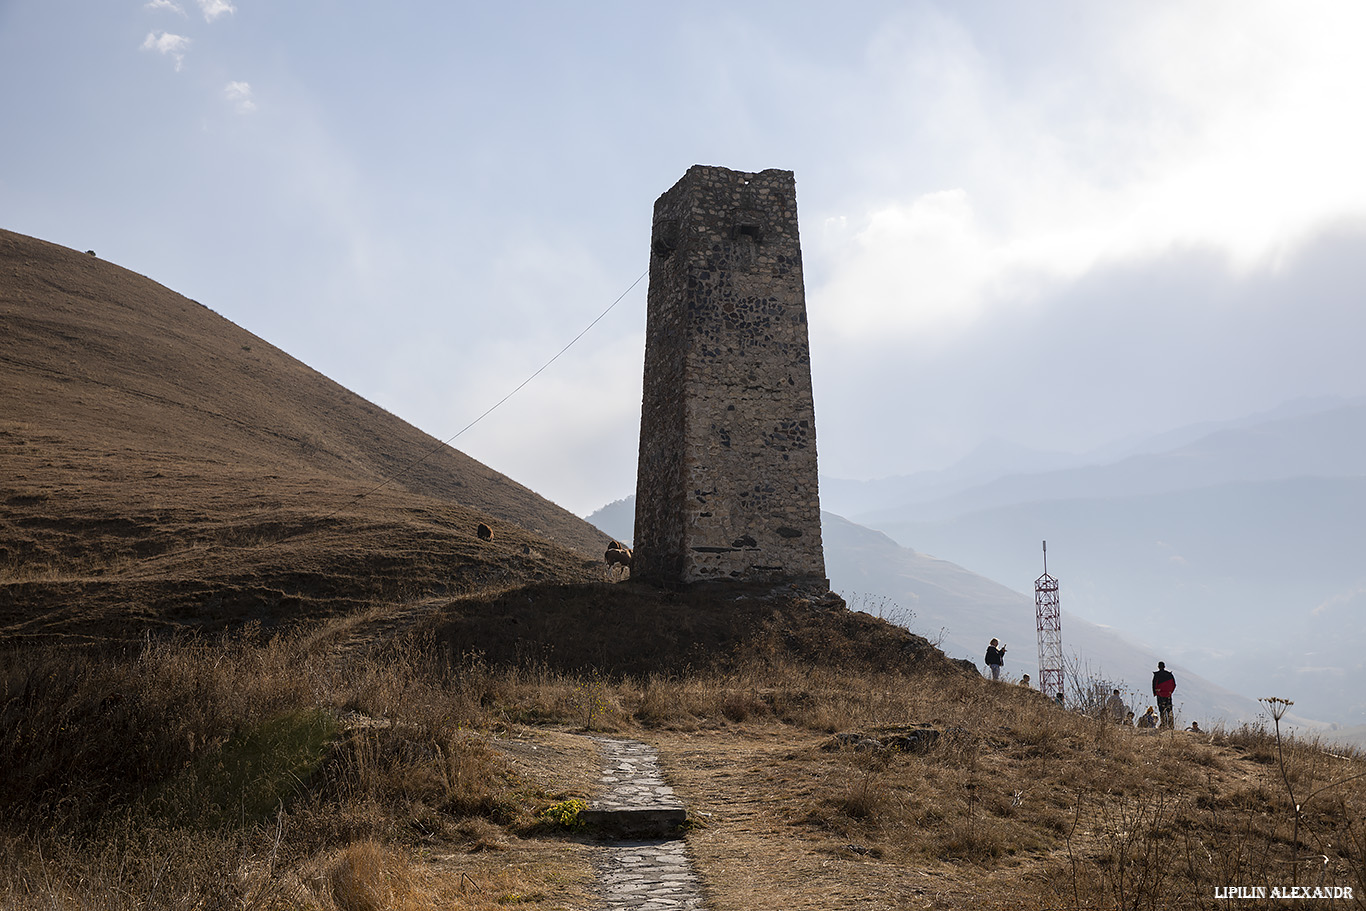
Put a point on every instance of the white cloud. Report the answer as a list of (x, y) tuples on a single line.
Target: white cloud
[(212, 9), (164, 4), (928, 261), (1340, 600), (173, 46), (1224, 126), (239, 94)]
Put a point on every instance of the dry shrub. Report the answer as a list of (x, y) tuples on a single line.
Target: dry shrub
[(146, 871), (871, 796), (1255, 740), (369, 877), (593, 703), (401, 766), (413, 682), (663, 701), (957, 748), (470, 779), (890, 801), (481, 835), (232, 734), (977, 840), (531, 694), (742, 705)]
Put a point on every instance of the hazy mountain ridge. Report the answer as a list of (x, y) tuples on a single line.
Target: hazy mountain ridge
[(1238, 552), (994, 461), (1320, 445), (617, 519)]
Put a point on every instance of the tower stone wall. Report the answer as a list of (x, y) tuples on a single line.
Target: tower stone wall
[(726, 488)]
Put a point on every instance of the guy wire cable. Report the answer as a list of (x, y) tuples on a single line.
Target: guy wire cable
[(446, 442)]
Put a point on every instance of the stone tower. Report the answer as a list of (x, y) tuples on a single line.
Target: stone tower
[(726, 488)]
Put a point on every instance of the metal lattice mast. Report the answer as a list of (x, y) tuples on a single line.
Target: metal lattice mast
[(1050, 631)]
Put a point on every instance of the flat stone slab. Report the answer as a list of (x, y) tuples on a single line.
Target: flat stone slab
[(636, 801), (658, 822)]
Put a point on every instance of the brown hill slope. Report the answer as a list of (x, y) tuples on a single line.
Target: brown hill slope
[(163, 465)]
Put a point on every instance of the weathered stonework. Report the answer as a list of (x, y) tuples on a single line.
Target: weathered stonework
[(726, 488)]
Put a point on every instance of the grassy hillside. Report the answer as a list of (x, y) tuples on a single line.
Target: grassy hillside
[(164, 466)]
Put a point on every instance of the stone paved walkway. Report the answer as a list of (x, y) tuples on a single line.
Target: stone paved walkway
[(643, 874)]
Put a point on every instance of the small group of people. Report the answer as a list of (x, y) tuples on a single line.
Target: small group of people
[(1150, 720), (1162, 716), (1164, 685), (1121, 714)]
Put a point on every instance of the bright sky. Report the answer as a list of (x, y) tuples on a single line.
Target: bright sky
[(1057, 224)]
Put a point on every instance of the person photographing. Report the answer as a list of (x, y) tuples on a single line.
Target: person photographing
[(996, 656)]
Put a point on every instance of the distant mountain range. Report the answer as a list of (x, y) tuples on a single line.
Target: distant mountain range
[(1307, 437), (1321, 445)]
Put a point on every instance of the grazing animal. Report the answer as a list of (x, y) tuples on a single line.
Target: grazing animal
[(618, 554), (485, 533)]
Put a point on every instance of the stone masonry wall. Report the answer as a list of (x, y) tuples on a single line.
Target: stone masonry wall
[(727, 487)]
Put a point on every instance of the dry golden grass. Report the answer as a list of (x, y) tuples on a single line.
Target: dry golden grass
[(1019, 805), (367, 876), (264, 773), (429, 789)]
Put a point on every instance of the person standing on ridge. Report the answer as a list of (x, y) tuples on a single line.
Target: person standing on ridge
[(996, 656), (1164, 684)]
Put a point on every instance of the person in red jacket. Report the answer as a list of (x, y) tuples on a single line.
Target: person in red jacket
[(1164, 684)]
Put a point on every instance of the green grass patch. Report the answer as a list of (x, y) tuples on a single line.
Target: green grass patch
[(255, 772)]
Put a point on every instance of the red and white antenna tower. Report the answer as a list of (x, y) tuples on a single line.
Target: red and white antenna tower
[(1050, 631)]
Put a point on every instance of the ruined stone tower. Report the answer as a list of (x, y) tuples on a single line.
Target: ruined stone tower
[(726, 488)]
